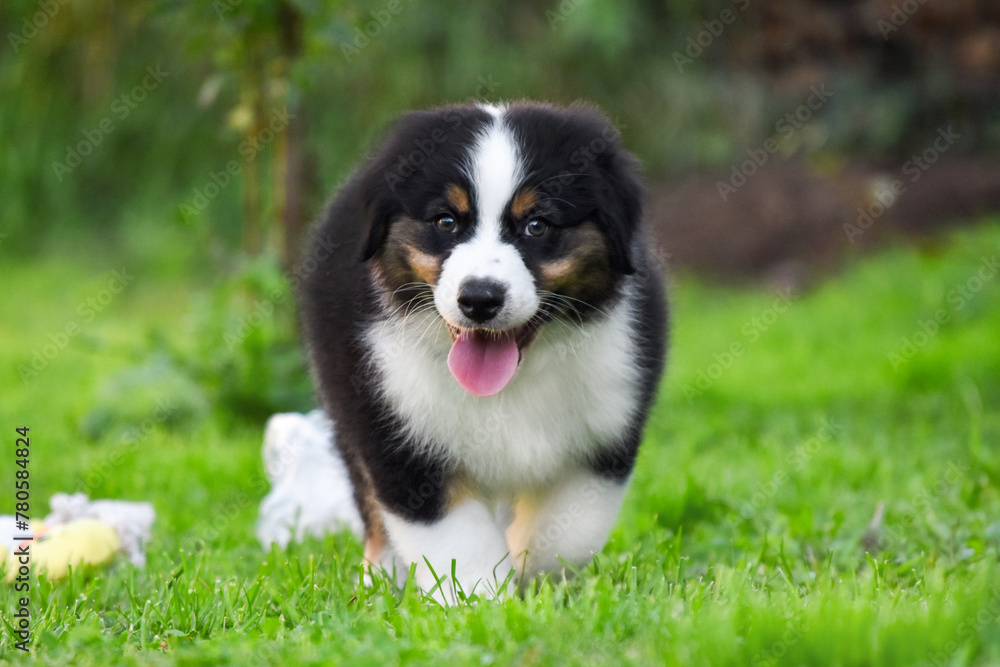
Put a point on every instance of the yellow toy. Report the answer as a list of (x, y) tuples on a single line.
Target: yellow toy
[(55, 548), (78, 531)]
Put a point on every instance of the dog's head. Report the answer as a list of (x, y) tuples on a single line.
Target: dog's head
[(507, 218)]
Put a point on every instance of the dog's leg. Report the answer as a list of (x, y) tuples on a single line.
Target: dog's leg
[(379, 555), (570, 520), (468, 535)]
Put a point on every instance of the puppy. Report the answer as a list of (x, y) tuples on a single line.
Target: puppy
[(487, 335)]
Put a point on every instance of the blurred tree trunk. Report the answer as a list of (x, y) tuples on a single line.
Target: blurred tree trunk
[(294, 164), (253, 236), (270, 95), (297, 178)]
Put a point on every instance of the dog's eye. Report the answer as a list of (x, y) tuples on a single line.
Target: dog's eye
[(535, 228), (446, 223)]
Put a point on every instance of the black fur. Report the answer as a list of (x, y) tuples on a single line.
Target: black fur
[(576, 163)]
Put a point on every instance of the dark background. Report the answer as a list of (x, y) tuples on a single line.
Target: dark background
[(693, 86)]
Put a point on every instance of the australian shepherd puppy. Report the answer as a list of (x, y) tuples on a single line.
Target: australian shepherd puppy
[(487, 336)]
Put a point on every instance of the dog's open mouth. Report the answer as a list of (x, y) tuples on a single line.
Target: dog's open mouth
[(483, 360)]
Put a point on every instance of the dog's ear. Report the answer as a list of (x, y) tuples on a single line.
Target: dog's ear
[(379, 202), (620, 206), (384, 181), (378, 212), (379, 189)]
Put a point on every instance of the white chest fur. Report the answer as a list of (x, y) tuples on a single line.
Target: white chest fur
[(575, 390)]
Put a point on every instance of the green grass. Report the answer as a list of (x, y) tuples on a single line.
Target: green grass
[(747, 536)]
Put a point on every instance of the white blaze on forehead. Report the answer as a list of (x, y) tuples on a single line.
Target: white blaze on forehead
[(494, 169), (495, 110)]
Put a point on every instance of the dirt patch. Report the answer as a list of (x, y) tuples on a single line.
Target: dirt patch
[(793, 221)]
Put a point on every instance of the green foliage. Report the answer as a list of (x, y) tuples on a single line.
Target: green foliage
[(242, 345), (817, 503), (70, 98), (140, 397), (345, 70)]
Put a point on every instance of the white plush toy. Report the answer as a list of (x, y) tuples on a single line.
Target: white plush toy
[(311, 492)]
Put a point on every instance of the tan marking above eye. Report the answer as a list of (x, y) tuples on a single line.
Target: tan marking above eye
[(458, 198), (427, 267), (523, 202)]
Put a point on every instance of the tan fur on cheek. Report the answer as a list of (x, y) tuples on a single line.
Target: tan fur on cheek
[(584, 263), (426, 267), (560, 271), (403, 260)]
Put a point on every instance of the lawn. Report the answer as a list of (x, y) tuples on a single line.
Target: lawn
[(818, 483)]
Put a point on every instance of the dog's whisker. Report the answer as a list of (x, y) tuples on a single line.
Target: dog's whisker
[(419, 299), (562, 306), (574, 300), (412, 286), (429, 326), (406, 304), (564, 297), (422, 302), (388, 317), (422, 309)]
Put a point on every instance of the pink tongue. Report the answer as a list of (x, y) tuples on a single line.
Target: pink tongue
[(483, 363)]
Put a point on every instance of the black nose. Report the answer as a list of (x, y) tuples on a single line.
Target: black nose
[(481, 299)]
